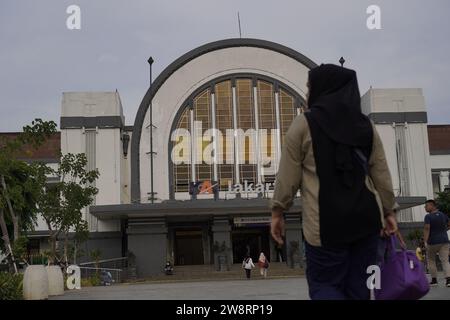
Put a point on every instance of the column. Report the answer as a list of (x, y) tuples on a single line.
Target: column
[(147, 240), (221, 229), (294, 241), (206, 245)]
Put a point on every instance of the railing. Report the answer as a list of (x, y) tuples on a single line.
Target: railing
[(89, 272), (117, 267), (37, 258)]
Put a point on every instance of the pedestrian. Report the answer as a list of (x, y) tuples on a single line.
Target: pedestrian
[(333, 153), (263, 264), (248, 265), (168, 269), (436, 241)]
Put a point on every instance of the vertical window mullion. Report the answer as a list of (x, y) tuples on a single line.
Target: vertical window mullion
[(257, 146), (193, 143), (235, 127), (214, 136), (277, 128)]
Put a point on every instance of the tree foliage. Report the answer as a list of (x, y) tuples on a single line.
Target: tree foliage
[(62, 203), (443, 202), (20, 183)]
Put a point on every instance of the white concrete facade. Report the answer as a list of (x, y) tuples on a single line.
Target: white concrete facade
[(175, 90), (405, 143), (108, 157)]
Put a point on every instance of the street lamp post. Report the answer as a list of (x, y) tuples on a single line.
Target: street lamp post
[(152, 193)]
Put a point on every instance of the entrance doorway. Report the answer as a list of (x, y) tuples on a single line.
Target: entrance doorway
[(255, 240), (188, 247)]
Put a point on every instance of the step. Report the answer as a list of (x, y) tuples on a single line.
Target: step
[(208, 272)]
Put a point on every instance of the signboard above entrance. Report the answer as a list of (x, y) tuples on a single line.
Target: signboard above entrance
[(243, 221), (247, 187)]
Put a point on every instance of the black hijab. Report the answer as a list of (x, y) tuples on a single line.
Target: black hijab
[(336, 104)]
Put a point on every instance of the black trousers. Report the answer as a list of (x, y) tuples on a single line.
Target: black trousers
[(247, 273), (340, 273)]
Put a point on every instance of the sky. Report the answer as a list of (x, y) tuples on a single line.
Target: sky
[(40, 57)]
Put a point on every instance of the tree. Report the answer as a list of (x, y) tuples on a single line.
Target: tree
[(443, 202), (62, 203), (20, 184), (95, 255)]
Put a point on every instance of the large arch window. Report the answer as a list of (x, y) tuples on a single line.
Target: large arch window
[(251, 114)]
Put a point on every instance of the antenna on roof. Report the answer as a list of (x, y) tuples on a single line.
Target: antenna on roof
[(239, 23)]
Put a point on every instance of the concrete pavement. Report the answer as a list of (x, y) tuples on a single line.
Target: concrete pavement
[(254, 289)]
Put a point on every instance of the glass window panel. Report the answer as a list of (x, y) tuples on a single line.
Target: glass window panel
[(245, 121), (287, 112), (267, 121), (224, 122), (182, 172), (202, 113)]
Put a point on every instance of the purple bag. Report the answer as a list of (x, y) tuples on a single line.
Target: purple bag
[(402, 275)]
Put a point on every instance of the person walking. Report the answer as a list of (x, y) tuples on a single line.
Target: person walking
[(333, 153), (248, 265), (436, 240), (263, 264)]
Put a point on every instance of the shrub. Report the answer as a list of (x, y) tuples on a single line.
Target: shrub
[(443, 202), (11, 286), (91, 281)]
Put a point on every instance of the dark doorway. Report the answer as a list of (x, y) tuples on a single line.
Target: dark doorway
[(188, 247), (255, 240)]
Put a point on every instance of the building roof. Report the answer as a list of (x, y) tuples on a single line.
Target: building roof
[(208, 208), (48, 152), (439, 139)]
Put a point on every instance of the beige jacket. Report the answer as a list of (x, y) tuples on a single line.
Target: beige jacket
[(297, 170)]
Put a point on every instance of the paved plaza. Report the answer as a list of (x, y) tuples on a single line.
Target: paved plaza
[(254, 289)]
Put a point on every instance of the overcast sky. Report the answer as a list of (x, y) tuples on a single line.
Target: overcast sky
[(40, 58)]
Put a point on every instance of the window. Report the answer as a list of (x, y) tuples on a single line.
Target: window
[(436, 183), (202, 118), (181, 171), (224, 122), (246, 123), (256, 108)]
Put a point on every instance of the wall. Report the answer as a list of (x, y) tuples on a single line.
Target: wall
[(404, 108), (80, 109), (441, 161)]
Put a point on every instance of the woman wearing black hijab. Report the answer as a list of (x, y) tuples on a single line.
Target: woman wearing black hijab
[(334, 155)]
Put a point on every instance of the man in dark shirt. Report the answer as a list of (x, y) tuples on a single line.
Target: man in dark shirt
[(436, 240)]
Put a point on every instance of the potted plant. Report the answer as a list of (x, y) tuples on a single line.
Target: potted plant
[(221, 253), (294, 254)]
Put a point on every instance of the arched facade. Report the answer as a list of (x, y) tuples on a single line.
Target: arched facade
[(266, 68), (258, 108)]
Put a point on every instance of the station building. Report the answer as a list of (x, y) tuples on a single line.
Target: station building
[(192, 176)]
